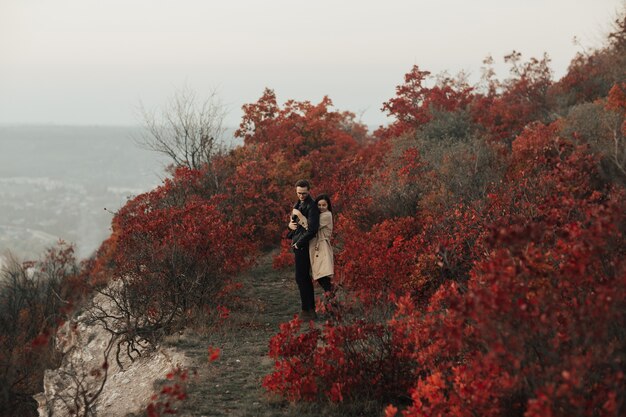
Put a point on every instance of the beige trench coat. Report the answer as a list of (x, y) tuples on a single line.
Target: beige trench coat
[(320, 250)]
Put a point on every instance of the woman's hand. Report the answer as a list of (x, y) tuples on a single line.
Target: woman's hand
[(293, 225)]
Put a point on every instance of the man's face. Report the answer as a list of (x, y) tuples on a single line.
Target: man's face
[(302, 192)]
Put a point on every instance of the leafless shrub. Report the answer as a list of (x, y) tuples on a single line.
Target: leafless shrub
[(187, 130)]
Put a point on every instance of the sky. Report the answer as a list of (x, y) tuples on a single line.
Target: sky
[(93, 62)]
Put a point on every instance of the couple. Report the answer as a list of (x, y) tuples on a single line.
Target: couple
[(310, 227)]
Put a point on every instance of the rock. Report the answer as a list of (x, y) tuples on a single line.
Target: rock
[(125, 391)]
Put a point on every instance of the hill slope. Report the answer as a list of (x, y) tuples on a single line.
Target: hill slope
[(231, 385)]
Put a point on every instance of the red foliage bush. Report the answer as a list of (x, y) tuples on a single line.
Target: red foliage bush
[(357, 358), (283, 144), (378, 262), (540, 328), (175, 253), (523, 99), (482, 252), (591, 75), (188, 235), (541, 305), (616, 101), (414, 101), (524, 308)]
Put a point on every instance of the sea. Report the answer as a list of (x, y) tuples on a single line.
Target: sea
[(66, 182)]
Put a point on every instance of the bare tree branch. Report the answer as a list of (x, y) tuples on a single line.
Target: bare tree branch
[(186, 130)]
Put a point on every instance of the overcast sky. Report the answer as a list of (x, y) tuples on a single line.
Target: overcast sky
[(92, 61)]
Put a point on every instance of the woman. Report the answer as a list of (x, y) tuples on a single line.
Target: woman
[(320, 250)]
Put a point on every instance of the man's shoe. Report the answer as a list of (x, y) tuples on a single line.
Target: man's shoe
[(308, 315)]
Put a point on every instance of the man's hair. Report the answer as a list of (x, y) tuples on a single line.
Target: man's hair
[(303, 183)]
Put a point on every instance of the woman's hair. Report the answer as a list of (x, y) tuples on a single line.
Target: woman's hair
[(326, 198)]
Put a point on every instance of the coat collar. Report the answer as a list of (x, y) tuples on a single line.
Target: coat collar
[(303, 204)]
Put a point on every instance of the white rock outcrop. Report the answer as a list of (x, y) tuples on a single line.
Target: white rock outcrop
[(126, 390)]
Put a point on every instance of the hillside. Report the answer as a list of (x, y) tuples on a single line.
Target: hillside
[(231, 385), (228, 386), (480, 243)]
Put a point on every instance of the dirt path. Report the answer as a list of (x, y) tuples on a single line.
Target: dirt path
[(231, 386)]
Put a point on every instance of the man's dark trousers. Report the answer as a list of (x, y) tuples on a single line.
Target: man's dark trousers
[(303, 278)]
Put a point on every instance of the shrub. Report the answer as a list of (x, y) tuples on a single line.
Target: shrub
[(35, 299), (171, 254), (357, 357)]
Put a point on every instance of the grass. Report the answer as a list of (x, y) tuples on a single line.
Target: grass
[(231, 386)]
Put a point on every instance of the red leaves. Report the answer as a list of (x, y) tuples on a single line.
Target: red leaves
[(408, 105), (152, 228), (379, 261), (523, 98), (214, 353), (195, 232), (175, 252), (41, 340), (414, 102), (616, 101), (171, 394), (391, 411), (503, 110), (531, 296), (495, 295), (285, 143), (513, 302), (352, 359)]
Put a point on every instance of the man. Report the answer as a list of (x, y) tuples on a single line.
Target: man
[(301, 232)]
